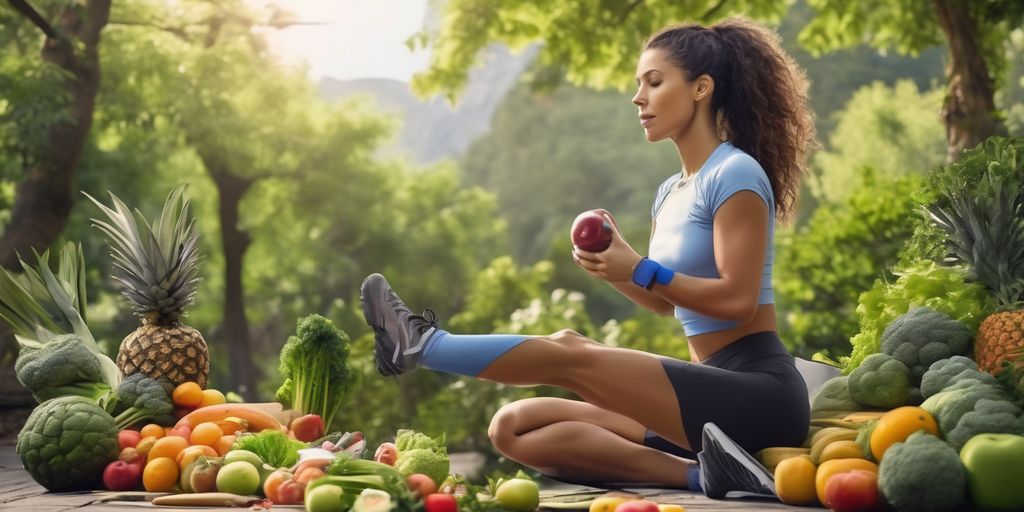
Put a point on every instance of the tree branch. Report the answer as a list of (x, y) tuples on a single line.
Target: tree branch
[(24, 8)]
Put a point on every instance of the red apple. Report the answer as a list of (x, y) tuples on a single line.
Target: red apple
[(591, 231), (291, 493), (637, 506), (122, 476), (853, 491), (308, 428), (128, 438), (439, 502)]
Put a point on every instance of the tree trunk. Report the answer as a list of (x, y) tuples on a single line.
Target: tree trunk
[(969, 108), (232, 188), (42, 201)]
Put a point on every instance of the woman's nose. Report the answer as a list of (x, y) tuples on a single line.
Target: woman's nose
[(639, 100)]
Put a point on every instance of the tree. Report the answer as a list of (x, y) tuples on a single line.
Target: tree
[(597, 46), (70, 34)]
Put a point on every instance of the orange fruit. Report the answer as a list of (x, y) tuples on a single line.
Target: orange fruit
[(169, 447), (192, 453), (206, 433), (212, 397), (794, 481), (160, 475), (897, 425), (223, 445), (152, 430), (187, 394)]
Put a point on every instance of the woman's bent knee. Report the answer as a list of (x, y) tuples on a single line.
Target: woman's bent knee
[(502, 431)]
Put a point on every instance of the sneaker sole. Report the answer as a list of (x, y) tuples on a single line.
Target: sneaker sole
[(386, 367), (740, 463)]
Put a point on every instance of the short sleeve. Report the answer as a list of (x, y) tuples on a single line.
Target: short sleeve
[(738, 173)]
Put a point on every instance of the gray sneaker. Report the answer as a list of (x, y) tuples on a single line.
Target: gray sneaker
[(728, 471), (400, 335)]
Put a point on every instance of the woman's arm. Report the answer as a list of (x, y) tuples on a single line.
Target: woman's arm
[(740, 239)]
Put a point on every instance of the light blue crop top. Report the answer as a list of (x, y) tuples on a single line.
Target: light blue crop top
[(683, 238)]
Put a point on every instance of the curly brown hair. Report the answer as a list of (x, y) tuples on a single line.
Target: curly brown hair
[(760, 100)]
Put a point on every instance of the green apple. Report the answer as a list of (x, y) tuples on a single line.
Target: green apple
[(238, 477), (243, 455), (518, 495), (324, 498), (995, 471)]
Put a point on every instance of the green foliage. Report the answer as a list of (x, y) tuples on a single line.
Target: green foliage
[(315, 366), (273, 446), (925, 284), (648, 332), (892, 129), (497, 291), (595, 46), (823, 266)]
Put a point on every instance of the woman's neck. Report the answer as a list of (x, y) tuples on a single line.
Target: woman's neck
[(696, 146)]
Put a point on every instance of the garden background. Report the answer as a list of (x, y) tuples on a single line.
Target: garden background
[(461, 185)]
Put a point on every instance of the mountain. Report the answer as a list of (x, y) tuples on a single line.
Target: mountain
[(434, 130)]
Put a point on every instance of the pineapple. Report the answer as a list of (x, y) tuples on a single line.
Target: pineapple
[(157, 270), (981, 208)]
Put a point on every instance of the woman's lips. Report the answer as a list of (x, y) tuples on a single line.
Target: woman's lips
[(646, 121)]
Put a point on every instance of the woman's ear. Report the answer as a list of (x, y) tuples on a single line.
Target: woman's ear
[(705, 86)]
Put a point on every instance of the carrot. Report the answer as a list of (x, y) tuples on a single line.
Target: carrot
[(257, 420)]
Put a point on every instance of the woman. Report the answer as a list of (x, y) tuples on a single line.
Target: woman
[(735, 106)]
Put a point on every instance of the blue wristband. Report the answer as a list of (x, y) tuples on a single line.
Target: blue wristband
[(648, 272)]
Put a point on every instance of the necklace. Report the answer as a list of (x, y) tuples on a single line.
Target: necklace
[(684, 181)]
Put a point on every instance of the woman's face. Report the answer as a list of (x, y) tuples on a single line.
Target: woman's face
[(665, 99)]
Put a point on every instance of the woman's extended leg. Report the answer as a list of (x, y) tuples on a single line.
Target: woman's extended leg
[(580, 442)]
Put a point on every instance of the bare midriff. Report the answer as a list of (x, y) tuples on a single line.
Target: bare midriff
[(703, 345)]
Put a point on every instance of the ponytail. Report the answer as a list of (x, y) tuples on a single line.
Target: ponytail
[(760, 100)]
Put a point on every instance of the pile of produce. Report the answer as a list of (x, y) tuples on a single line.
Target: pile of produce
[(930, 413)]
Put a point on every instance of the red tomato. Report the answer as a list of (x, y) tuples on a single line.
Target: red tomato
[(853, 491), (440, 502)]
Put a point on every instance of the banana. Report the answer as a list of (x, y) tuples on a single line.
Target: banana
[(813, 429), (831, 422), (864, 416), (772, 456), (827, 431), (844, 434), (841, 450)]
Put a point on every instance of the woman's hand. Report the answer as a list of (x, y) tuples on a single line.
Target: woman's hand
[(613, 264)]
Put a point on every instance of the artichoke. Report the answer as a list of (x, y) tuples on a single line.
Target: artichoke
[(66, 443)]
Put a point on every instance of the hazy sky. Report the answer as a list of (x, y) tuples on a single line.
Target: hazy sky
[(362, 38)]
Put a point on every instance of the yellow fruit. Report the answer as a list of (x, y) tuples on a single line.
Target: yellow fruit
[(212, 397), (152, 430), (841, 450), (843, 434), (794, 481), (831, 467), (772, 456), (608, 503), (160, 475), (186, 456), (169, 447), (671, 508), (206, 433), (897, 425)]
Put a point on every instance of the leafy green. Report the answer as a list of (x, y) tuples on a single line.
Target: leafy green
[(923, 284), (140, 397), (881, 381), (924, 336), (923, 474), (315, 366), (273, 446), (420, 453)]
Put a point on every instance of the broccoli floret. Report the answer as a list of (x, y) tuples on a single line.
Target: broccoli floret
[(923, 336), (948, 405), (406, 439), (314, 364), (833, 399), (946, 372), (422, 460), (64, 366), (140, 397), (987, 417), (922, 474), (881, 381)]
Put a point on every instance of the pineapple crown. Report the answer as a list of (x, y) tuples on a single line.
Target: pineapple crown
[(979, 203), (156, 265)]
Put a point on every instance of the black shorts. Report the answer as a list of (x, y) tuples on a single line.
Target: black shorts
[(751, 389)]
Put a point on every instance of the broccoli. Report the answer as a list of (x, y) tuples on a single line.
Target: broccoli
[(833, 399), (986, 417), (922, 474), (923, 336), (881, 381), (420, 453), (140, 397), (314, 364), (63, 366), (946, 372), (948, 405)]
